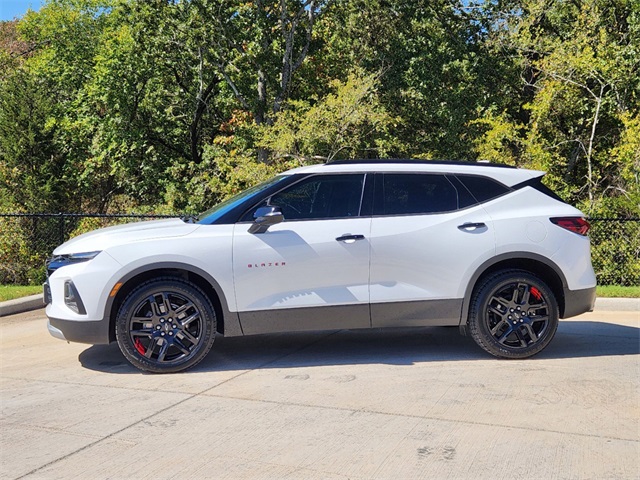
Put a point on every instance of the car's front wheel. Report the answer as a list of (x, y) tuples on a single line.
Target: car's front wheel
[(513, 314), (165, 325)]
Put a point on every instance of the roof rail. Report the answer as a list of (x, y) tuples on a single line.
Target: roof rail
[(359, 161)]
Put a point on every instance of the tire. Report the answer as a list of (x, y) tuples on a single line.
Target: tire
[(165, 325), (513, 314)]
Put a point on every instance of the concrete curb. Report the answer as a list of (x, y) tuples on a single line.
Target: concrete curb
[(618, 304), (19, 305), (34, 302)]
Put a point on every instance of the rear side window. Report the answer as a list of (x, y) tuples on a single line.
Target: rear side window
[(483, 188), (407, 194), (465, 199)]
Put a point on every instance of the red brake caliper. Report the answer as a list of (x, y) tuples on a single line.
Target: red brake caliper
[(536, 293), (139, 346)]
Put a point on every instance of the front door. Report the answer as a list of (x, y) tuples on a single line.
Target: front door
[(310, 272)]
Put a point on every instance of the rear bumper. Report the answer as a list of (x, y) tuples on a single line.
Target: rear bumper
[(578, 301), (94, 333)]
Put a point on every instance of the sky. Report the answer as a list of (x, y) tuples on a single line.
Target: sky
[(9, 9)]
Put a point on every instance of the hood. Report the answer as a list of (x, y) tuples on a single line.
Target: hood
[(103, 238)]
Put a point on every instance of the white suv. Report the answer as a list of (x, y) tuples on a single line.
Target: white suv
[(345, 245)]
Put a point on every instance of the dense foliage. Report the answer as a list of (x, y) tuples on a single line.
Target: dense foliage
[(170, 105)]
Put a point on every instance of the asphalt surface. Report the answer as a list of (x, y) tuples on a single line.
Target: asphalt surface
[(395, 404)]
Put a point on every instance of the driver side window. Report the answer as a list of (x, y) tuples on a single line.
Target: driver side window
[(321, 196)]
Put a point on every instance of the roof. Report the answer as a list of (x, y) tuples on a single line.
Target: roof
[(505, 174)]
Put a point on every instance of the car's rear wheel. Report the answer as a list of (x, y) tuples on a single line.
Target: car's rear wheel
[(165, 325), (513, 314)]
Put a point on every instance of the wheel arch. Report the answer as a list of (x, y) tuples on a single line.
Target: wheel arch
[(540, 266), (227, 321)]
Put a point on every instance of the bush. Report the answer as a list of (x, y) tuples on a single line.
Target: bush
[(21, 262)]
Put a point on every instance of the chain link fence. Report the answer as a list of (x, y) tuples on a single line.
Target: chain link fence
[(615, 250), (27, 240)]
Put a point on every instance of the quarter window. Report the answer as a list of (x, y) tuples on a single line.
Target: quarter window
[(482, 188)]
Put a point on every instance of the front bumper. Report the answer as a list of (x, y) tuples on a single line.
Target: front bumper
[(92, 332), (76, 295), (81, 331)]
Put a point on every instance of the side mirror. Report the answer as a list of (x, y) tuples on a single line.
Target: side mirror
[(264, 217)]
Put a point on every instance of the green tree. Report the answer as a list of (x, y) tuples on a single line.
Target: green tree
[(135, 92), (580, 64), (346, 123), (438, 71), (33, 174), (64, 36), (260, 46)]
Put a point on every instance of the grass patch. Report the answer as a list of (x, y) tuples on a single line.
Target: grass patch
[(616, 291), (10, 292)]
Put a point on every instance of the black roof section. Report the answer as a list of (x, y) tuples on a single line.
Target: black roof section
[(360, 161)]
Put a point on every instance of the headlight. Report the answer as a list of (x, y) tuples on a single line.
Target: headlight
[(58, 261)]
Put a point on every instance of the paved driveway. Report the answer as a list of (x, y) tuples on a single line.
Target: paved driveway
[(422, 403)]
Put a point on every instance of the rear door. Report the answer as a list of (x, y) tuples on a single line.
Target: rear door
[(428, 235), (310, 272)]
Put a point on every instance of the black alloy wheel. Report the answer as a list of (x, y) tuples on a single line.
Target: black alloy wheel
[(165, 325), (513, 314)]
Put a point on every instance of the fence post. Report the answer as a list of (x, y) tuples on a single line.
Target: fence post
[(61, 227)]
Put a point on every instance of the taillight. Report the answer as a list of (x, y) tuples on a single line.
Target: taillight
[(574, 224)]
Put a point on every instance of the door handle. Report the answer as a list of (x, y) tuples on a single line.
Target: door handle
[(471, 227), (348, 238)]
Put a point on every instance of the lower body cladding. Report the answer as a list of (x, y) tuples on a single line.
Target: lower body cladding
[(376, 315), (337, 317)]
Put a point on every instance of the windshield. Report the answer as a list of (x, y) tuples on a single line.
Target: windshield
[(223, 207)]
